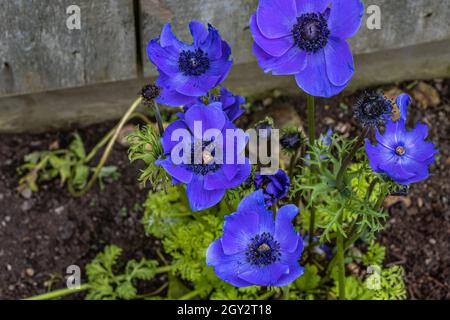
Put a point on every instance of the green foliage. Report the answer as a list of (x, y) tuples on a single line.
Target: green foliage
[(69, 165), (355, 289), (375, 255), (186, 237), (106, 285), (349, 211), (310, 280), (392, 284), (145, 145)]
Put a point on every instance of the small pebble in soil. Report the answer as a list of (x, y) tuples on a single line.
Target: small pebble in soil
[(8, 267), (329, 121), (29, 272), (26, 193), (59, 210), (432, 241), (26, 205), (420, 202)]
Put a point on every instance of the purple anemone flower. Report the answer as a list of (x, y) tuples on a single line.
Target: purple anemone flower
[(402, 154), (188, 71), (275, 186), (256, 250), (231, 103), (206, 180), (307, 38)]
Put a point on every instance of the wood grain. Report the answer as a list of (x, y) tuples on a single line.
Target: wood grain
[(39, 53)]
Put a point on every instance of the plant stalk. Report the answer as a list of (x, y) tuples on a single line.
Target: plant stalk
[(108, 149), (60, 293), (190, 295), (108, 136), (266, 295), (311, 118), (158, 118), (68, 291), (293, 162), (348, 158), (341, 264), (310, 105)]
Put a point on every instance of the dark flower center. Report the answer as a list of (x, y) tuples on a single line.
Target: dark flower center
[(400, 151), (193, 63), (311, 32), (263, 250), (372, 109), (207, 158)]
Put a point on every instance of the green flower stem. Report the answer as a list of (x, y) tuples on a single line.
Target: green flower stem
[(266, 295), (153, 293), (293, 162), (65, 292), (108, 150), (158, 118), (108, 136), (340, 262), (190, 295), (354, 234), (380, 201), (60, 293), (370, 188), (312, 136), (312, 221), (311, 118), (348, 159), (286, 293)]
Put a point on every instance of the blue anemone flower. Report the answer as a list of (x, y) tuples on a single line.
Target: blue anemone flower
[(231, 103), (274, 186), (402, 154), (307, 39), (206, 181), (256, 250), (188, 71)]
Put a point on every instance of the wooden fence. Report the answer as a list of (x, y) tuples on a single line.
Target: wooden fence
[(53, 76)]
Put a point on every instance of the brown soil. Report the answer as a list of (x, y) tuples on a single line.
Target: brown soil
[(42, 235)]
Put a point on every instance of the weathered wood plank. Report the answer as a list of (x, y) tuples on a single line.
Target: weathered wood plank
[(39, 53), (231, 17), (92, 104), (404, 23), (413, 43)]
